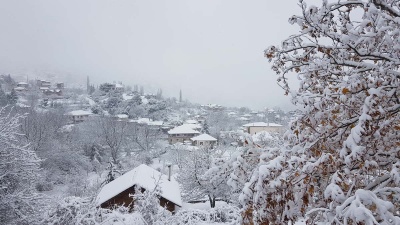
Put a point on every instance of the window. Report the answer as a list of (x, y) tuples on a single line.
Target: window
[(201, 143)]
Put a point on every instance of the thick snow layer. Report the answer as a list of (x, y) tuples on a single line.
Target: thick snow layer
[(79, 113), (262, 124), (192, 126), (145, 177), (127, 97), (148, 122), (191, 121), (204, 137), (122, 116), (183, 129), (91, 102)]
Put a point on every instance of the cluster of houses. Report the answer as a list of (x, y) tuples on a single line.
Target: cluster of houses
[(116, 87), (45, 87), (120, 191)]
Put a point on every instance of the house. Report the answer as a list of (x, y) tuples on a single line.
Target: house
[(118, 87), (20, 89), (119, 191), (43, 83), (23, 85), (204, 140), (107, 87), (79, 115), (44, 89), (122, 117), (253, 128), (181, 134), (60, 85)]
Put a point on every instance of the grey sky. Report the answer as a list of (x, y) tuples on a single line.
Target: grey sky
[(211, 49)]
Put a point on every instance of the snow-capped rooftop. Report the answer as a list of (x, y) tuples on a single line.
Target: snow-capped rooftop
[(79, 113), (262, 124), (204, 137), (156, 123), (192, 126), (191, 121), (122, 116), (145, 177), (183, 129)]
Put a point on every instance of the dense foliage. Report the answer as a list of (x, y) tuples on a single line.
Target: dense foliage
[(341, 164)]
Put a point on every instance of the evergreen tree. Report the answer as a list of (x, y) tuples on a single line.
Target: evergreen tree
[(141, 90), (12, 98), (3, 97), (205, 128)]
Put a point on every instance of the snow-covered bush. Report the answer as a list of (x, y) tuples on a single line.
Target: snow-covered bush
[(19, 172), (81, 211), (220, 214), (340, 164)]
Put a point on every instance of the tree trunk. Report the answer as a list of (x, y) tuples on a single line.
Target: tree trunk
[(212, 200)]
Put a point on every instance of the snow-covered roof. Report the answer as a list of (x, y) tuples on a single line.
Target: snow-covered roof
[(192, 126), (79, 113), (246, 115), (244, 119), (22, 83), (44, 88), (203, 137), (145, 177), (191, 121), (262, 124), (156, 123), (122, 116), (19, 88), (184, 129), (119, 85), (143, 120), (127, 97)]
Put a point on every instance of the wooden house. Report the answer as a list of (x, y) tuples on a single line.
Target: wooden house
[(119, 191)]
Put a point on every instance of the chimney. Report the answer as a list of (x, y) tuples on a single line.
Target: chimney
[(169, 172)]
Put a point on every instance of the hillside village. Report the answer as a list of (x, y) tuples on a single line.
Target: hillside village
[(94, 138), (136, 113)]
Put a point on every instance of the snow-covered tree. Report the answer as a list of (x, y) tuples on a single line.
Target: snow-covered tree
[(203, 176), (19, 167), (112, 134), (342, 161), (12, 98)]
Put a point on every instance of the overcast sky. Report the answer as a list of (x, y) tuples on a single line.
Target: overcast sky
[(211, 49)]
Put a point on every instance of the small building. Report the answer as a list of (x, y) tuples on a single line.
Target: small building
[(60, 85), (23, 84), (79, 115), (181, 134), (204, 140), (122, 117), (119, 191), (254, 128), (44, 89), (20, 89), (118, 87), (43, 83)]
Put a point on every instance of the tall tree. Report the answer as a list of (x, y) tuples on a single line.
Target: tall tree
[(342, 162), (12, 98), (180, 95), (19, 167)]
